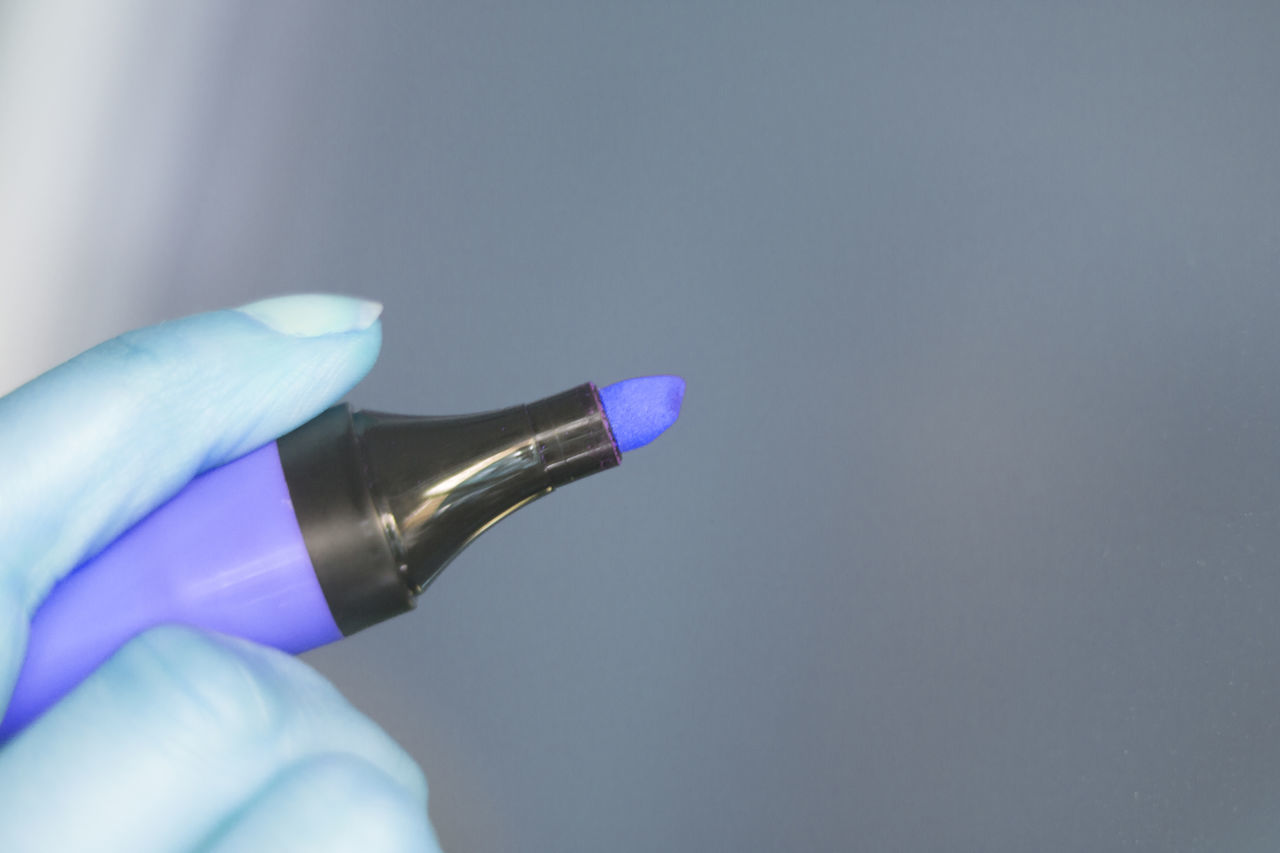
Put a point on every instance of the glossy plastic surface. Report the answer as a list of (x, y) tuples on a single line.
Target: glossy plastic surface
[(225, 554), (441, 482)]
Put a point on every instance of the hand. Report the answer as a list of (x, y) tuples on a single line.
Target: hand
[(183, 740)]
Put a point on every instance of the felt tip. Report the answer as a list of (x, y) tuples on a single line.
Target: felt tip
[(641, 409)]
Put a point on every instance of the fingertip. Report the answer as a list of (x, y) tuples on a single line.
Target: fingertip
[(140, 415), (329, 802), (313, 314), (203, 723)]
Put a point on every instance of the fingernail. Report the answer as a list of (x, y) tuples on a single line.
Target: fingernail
[(310, 315)]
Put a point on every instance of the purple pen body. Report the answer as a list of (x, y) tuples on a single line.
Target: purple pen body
[(334, 527), (226, 554)]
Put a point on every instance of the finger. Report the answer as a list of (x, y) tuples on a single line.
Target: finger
[(329, 803), (90, 447), (172, 736)]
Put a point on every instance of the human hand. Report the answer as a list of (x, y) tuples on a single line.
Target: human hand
[(183, 740)]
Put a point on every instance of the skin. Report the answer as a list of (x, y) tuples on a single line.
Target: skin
[(183, 740)]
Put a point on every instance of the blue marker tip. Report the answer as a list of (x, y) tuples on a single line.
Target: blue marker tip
[(639, 410)]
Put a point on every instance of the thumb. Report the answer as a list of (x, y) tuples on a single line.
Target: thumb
[(92, 446)]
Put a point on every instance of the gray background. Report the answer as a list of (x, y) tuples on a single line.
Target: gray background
[(967, 539)]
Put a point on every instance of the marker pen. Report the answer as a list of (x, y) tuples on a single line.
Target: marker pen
[(332, 528)]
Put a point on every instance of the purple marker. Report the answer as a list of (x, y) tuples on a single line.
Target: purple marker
[(338, 525)]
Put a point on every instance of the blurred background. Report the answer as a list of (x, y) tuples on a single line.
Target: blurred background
[(969, 536)]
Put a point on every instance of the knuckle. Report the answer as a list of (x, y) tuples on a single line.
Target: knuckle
[(145, 356), (396, 824), (377, 812), (205, 688), (140, 364), (386, 816)]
